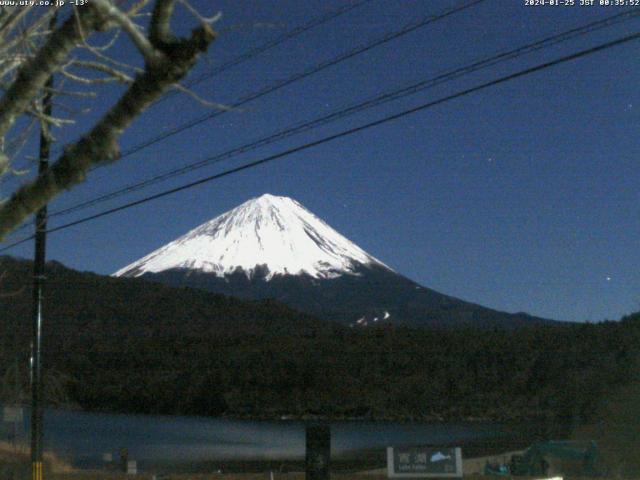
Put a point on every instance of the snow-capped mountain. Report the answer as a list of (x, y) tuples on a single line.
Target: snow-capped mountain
[(272, 247), (275, 235)]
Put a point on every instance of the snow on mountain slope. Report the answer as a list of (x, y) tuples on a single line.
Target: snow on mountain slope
[(269, 231)]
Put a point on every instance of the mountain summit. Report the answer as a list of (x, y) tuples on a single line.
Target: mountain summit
[(270, 234), (272, 247)]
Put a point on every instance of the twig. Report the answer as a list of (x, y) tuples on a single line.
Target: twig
[(208, 20), (200, 100), (101, 67), (71, 93), (100, 145), (106, 46), (135, 8), (55, 121), (32, 76), (137, 37), (71, 110), (95, 81)]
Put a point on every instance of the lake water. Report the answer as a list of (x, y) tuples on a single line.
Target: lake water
[(83, 438)]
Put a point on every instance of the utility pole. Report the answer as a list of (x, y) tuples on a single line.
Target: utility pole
[(38, 286), (318, 452)]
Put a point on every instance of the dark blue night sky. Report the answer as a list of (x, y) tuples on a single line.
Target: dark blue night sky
[(521, 197)]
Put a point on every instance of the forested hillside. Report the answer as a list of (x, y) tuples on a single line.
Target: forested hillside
[(127, 345)]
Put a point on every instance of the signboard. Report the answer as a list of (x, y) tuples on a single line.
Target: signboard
[(12, 414), (424, 462)]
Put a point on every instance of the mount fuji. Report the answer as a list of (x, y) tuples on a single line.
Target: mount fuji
[(272, 247), (271, 235)]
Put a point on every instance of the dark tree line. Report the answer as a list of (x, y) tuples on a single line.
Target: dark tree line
[(130, 346)]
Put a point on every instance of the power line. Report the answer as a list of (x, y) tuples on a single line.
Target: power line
[(307, 73), (248, 55), (301, 75), (314, 22), (351, 131), (355, 108)]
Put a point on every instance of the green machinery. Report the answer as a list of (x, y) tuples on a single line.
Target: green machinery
[(535, 459), (580, 456)]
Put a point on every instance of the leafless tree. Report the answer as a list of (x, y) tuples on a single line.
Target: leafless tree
[(31, 50)]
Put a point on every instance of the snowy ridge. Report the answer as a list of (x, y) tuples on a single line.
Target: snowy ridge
[(276, 233)]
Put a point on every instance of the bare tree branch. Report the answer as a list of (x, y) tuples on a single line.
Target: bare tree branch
[(34, 74), (4, 164), (209, 20), (97, 51), (48, 119), (108, 10), (175, 57), (70, 93), (160, 32), (117, 77), (106, 46), (203, 101), (101, 67), (136, 7), (16, 144)]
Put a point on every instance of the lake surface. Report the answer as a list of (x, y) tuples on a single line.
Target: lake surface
[(83, 438)]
